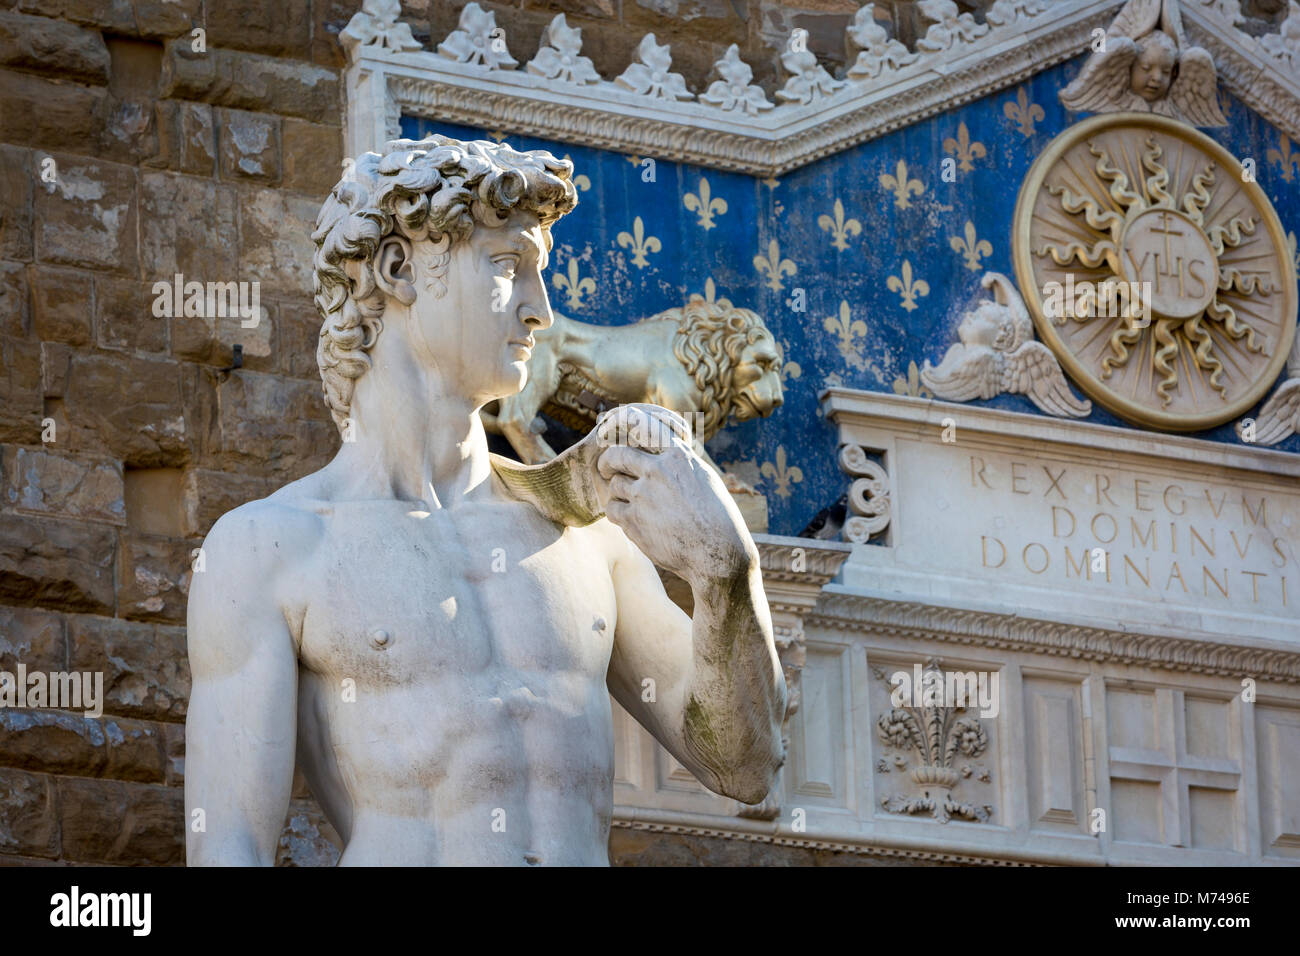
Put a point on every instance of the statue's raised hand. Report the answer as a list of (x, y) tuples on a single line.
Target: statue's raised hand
[(667, 499)]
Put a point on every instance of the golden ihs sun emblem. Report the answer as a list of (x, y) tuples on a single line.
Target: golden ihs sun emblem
[(1156, 270)]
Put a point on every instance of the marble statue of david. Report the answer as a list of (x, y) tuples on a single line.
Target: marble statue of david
[(432, 650)]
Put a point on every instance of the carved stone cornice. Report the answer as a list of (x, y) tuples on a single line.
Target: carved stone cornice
[(767, 143), (888, 93), (910, 620)]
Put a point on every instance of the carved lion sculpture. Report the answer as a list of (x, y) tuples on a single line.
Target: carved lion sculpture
[(709, 360)]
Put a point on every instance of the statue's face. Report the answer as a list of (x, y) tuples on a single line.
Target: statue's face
[(480, 332), (981, 326), (757, 380), (1153, 71)]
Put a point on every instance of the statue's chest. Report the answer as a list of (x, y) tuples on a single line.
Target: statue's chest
[(399, 596)]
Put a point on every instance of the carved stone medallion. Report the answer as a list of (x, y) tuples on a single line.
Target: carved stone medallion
[(1157, 274)]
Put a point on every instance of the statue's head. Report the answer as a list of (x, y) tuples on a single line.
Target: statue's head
[(1153, 67), (988, 324), (452, 238)]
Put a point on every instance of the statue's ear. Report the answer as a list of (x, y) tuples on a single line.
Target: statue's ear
[(394, 269)]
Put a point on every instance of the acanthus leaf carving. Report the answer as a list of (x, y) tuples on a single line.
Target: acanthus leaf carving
[(947, 27), (874, 47), (478, 40), (651, 76), (808, 80), (732, 90), (376, 24), (1005, 13), (558, 56)]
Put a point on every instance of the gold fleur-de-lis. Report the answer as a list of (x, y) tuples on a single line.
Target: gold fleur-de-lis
[(773, 266), (498, 134), (1288, 160), (639, 243), (710, 290), (574, 288), (583, 183), (839, 227), (964, 149), (847, 331), (912, 384), (906, 287), (790, 369), (901, 186), (1295, 253), (703, 204), (1023, 113), (781, 474), (970, 247)]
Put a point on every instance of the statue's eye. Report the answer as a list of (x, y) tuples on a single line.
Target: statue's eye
[(508, 263)]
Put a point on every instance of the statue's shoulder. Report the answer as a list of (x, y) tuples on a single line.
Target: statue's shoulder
[(260, 534)]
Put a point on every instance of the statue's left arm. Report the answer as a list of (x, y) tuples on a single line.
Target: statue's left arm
[(709, 687)]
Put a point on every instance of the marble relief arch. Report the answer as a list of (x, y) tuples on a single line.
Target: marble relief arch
[(1058, 228)]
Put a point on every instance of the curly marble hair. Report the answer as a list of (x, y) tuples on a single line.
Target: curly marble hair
[(434, 189)]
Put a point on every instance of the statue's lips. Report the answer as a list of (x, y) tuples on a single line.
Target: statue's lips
[(525, 344)]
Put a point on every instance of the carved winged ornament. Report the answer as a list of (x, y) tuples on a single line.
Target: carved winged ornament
[(1144, 64), (998, 353)]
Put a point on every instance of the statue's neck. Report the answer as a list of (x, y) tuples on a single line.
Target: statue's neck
[(413, 439)]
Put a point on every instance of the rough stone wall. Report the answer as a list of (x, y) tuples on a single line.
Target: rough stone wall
[(128, 156)]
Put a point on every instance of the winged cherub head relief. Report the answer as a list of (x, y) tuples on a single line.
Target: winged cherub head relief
[(1145, 64)]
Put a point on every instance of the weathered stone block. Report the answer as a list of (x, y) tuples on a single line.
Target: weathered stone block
[(50, 483), (188, 227), (275, 229), (115, 15), (144, 425), (19, 174), (33, 637), (154, 500), (61, 305), (154, 577), (56, 361), (29, 819), (56, 563), (15, 316), (198, 138), (55, 47), (146, 671), (53, 741), (108, 821), (211, 340), (136, 749), (248, 81), (174, 750), (250, 146), (124, 316), (313, 157), (299, 331), (88, 218), (280, 29), (48, 115), (210, 494), (279, 426), (167, 18), (21, 401)]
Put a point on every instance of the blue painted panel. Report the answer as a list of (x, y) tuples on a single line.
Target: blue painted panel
[(860, 326)]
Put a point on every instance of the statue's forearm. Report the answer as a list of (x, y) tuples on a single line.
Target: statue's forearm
[(732, 718)]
